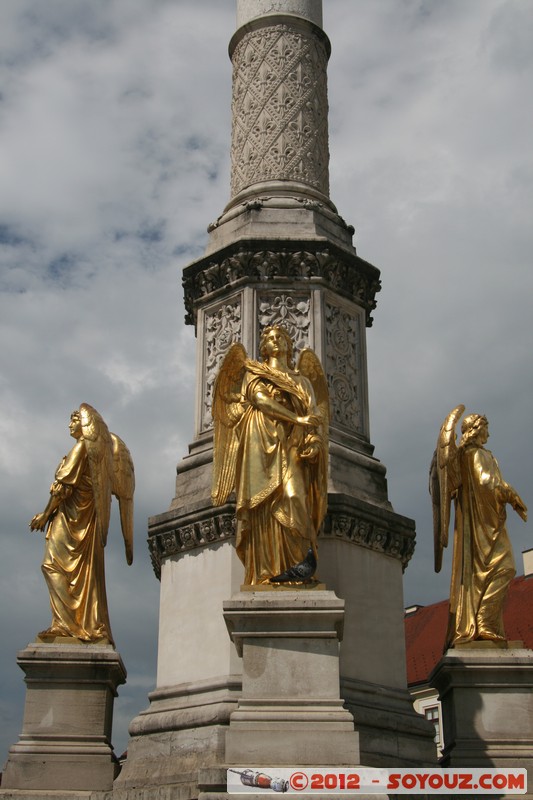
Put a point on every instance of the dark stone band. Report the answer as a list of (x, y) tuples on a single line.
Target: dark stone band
[(347, 274), (387, 532)]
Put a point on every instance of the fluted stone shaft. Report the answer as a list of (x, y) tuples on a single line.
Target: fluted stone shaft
[(279, 108)]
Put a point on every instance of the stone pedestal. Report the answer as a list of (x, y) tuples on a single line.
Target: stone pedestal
[(290, 711), (65, 742), (487, 707)]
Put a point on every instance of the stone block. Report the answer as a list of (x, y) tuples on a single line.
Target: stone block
[(487, 707), (65, 742), (290, 711), (181, 732)]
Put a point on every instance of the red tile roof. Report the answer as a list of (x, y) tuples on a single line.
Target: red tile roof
[(425, 628)]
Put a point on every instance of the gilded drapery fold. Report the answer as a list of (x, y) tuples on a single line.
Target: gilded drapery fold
[(73, 564), (76, 520), (276, 496), (271, 449), (483, 563)]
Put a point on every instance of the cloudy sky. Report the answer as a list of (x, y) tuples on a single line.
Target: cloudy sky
[(114, 157)]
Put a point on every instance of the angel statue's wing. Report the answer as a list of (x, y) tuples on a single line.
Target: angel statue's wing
[(310, 366), (227, 410), (123, 487), (99, 450), (443, 481)]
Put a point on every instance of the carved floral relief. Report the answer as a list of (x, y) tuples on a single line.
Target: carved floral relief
[(222, 327)]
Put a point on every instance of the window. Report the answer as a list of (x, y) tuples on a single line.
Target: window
[(431, 713)]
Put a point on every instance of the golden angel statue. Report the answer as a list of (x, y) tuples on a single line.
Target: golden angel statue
[(271, 448), (483, 564), (77, 521)]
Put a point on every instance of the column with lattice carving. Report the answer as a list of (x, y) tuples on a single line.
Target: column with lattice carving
[(279, 142), (280, 122)]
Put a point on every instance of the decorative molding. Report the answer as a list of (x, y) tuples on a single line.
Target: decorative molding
[(289, 310), (222, 327), (279, 108), (180, 537), (176, 536), (341, 366), (285, 201), (347, 275), (374, 535)]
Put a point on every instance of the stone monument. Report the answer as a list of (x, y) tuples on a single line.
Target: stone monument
[(484, 681), (279, 254), (65, 743), (72, 670)]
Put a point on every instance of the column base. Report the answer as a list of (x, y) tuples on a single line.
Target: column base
[(181, 732), (391, 733)]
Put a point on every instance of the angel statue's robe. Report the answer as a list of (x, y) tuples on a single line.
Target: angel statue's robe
[(73, 564), (483, 564), (280, 497)]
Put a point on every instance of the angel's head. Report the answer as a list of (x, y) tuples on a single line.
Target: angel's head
[(75, 425), (93, 426), (278, 334), (474, 427)]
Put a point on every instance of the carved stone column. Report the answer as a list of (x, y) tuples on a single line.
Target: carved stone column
[(280, 122), (279, 144), (279, 253)]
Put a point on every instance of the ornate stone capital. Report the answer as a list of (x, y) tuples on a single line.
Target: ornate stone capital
[(296, 262)]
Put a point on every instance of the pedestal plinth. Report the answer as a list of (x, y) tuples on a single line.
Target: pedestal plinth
[(290, 711), (487, 707), (65, 742)]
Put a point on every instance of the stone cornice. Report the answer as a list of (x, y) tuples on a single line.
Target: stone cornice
[(177, 533), (295, 262), (375, 528), (347, 519)]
